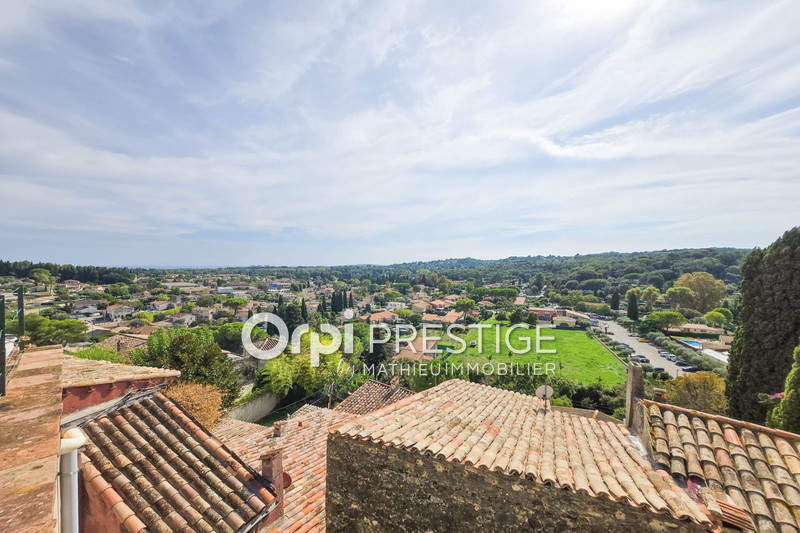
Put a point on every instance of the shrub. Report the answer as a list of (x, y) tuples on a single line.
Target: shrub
[(704, 391), (203, 402), (102, 353), (561, 401), (691, 313)]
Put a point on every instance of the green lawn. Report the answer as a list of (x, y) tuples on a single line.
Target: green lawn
[(578, 357)]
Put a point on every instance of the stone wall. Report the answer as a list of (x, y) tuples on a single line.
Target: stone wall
[(375, 488)]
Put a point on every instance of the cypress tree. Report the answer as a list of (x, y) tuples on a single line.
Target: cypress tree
[(615, 301), (323, 306), (769, 327), (633, 307), (303, 310), (350, 302)]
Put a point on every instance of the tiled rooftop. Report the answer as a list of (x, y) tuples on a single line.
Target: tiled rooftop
[(757, 467), (159, 471), (514, 434), (30, 433), (372, 396), (303, 445), (80, 372)]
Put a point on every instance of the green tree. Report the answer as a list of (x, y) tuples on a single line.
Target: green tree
[(229, 336), (196, 355), (714, 318), (786, 415), (768, 328), (206, 300), (44, 331), (464, 305), (725, 312), (665, 319), (708, 291), (291, 315), (235, 303), (633, 306), (679, 297), (42, 276), (391, 296), (703, 391), (650, 296), (615, 301)]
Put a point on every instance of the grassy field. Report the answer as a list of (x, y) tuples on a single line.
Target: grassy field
[(577, 357)]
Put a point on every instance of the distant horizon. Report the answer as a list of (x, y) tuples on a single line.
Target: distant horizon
[(255, 265)]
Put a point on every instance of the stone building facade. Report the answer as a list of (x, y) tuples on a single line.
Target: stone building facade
[(375, 488)]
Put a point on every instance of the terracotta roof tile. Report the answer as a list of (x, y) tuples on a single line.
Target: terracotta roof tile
[(755, 466), (79, 372), (160, 470), (303, 446), (514, 434), (372, 396)]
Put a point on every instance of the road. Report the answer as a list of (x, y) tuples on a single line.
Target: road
[(648, 350)]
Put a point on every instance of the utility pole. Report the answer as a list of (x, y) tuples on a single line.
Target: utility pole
[(2, 345), (21, 316)]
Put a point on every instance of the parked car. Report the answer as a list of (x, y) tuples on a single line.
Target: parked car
[(633, 334), (658, 369), (689, 369)]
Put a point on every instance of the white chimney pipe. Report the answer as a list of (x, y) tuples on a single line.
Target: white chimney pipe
[(71, 441)]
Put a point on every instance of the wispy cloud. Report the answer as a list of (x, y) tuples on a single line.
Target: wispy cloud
[(308, 132)]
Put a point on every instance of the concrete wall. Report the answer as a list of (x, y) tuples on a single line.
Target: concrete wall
[(375, 488), (255, 409)]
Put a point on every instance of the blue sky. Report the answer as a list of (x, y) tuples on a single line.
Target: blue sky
[(236, 133)]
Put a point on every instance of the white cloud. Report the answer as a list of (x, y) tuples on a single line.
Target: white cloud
[(508, 129)]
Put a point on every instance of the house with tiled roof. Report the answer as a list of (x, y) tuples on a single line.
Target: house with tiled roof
[(124, 342), (86, 382), (382, 317), (419, 306), (94, 446), (488, 459), (431, 318), (451, 317), (438, 305), (373, 395), (117, 311), (302, 443), (749, 474), (420, 349)]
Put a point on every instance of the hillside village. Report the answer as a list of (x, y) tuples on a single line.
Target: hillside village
[(167, 424)]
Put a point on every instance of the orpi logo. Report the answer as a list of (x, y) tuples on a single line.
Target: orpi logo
[(317, 347)]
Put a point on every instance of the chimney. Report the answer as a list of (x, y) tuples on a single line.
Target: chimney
[(659, 395), (394, 383), (634, 391), (272, 470)]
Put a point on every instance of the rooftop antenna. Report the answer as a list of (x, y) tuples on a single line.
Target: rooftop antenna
[(544, 392)]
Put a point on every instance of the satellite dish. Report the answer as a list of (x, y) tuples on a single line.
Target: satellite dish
[(544, 392)]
